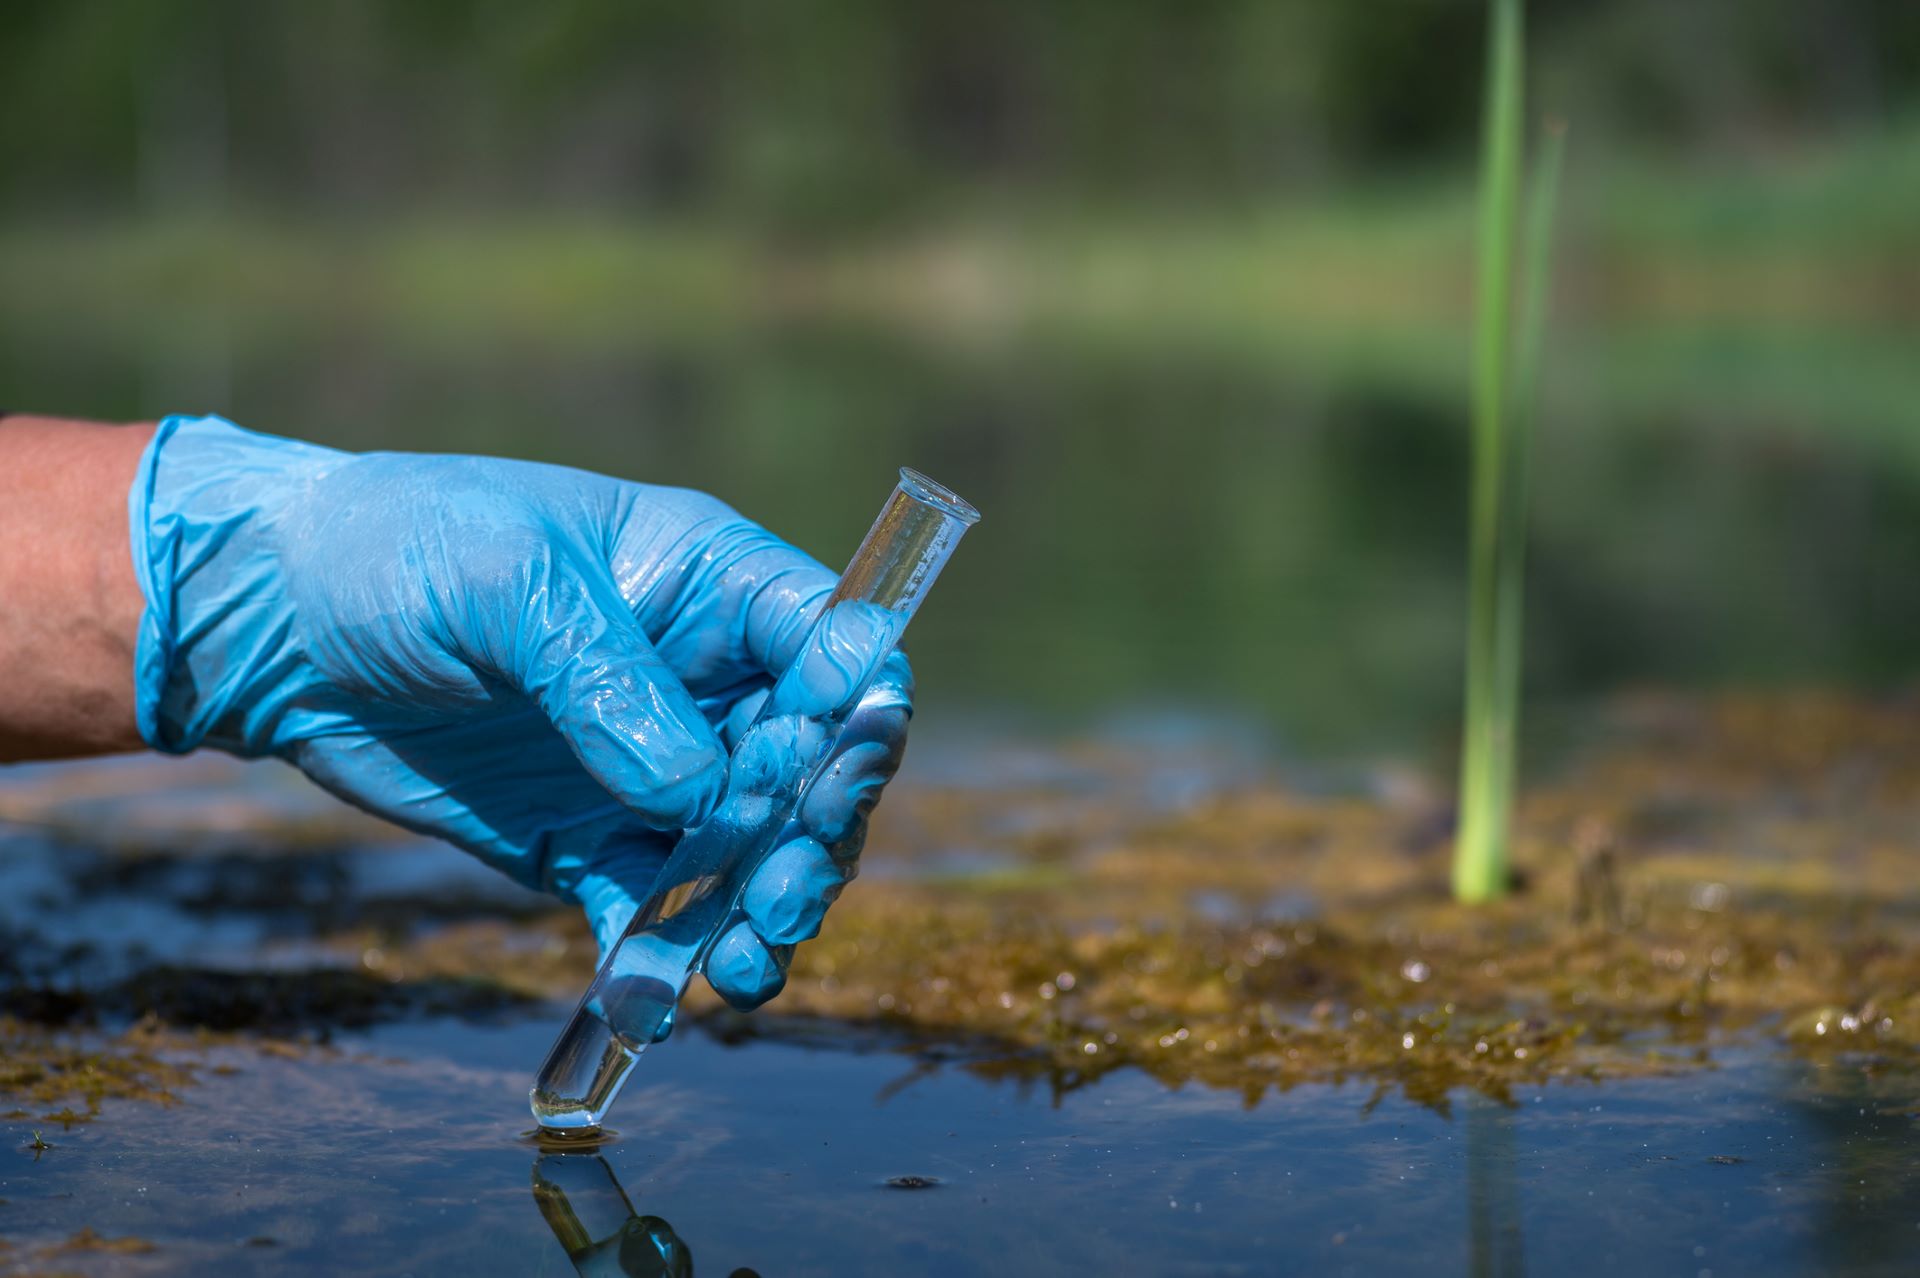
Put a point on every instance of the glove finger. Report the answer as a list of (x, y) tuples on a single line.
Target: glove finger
[(750, 587), (744, 970), (741, 715), (892, 688), (611, 884), (865, 758), (789, 893), (784, 590), (837, 660), (628, 718), (837, 810), (772, 593)]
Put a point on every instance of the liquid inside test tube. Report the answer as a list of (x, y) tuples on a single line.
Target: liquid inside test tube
[(631, 998), (697, 895)]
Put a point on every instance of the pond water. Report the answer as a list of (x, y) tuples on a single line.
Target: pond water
[(399, 1152)]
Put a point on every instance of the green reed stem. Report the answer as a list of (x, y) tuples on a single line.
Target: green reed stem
[(1480, 851), (1522, 410)]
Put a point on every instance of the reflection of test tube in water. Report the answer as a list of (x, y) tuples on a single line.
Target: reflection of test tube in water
[(595, 1221), (789, 743)]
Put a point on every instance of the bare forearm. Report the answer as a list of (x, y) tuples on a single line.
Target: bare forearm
[(69, 602)]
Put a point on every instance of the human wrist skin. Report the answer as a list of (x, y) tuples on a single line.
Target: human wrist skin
[(69, 604), (220, 659)]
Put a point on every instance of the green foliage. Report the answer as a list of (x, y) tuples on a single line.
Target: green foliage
[(838, 113)]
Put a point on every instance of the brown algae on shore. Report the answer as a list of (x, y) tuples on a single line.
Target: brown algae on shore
[(44, 1076), (1718, 872), (1714, 873)]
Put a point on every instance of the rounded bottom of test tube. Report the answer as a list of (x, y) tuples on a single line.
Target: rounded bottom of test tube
[(560, 1118), (581, 1077)]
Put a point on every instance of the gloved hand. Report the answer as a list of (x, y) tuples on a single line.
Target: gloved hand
[(543, 666)]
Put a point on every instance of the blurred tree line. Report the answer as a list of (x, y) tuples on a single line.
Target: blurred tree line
[(833, 113)]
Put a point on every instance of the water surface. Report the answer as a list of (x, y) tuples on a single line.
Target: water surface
[(400, 1155)]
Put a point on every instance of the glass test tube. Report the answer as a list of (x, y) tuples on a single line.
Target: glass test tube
[(788, 744)]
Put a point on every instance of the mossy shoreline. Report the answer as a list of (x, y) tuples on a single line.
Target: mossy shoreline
[(1719, 875)]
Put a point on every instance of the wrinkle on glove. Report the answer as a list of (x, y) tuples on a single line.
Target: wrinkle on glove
[(222, 671)]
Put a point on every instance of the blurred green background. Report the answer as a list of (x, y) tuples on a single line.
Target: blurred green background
[(1178, 293)]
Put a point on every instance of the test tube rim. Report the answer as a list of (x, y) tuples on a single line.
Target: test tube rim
[(933, 493)]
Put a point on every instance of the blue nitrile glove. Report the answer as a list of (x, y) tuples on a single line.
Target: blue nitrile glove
[(541, 665)]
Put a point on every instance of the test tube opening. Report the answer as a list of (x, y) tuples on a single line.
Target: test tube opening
[(937, 495)]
